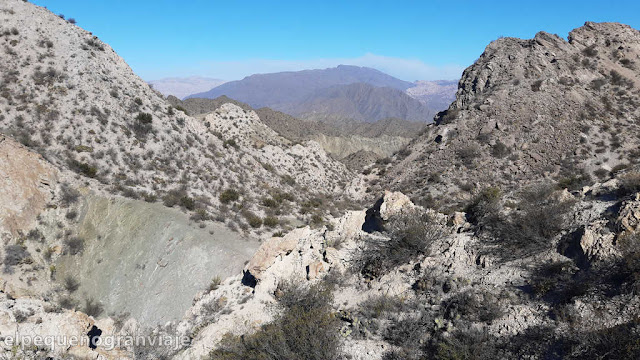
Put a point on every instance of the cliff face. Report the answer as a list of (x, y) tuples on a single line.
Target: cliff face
[(529, 109)]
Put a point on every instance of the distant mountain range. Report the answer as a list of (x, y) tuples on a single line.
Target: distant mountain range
[(337, 94), (362, 102), (181, 87)]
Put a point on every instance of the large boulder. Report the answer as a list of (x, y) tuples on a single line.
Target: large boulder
[(394, 203)]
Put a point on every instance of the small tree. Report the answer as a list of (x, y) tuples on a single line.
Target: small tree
[(143, 124)]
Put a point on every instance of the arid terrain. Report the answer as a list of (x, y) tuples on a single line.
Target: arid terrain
[(508, 228)]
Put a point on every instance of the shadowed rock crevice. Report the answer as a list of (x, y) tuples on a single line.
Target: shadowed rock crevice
[(373, 221)]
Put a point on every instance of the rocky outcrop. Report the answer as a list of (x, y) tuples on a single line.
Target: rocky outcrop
[(628, 221), (272, 249), (36, 330), (531, 109), (27, 182)]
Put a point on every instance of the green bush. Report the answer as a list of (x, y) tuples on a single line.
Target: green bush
[(70, 283), (270, 203), (305, 329), (629, 184), (83, 168), (270, 221), (187, 203), (468, 154), (180, 108), (288, 180), (215, 283), (447, 116), (15, 255), (229, 195), (537, 85), (254, 220), (575, 182), (500, 150), (485, 206), (92, 308), (474, 306), (143, 124), (179, 197), (539, 217), (590, 51), (230, 142), (411, 235)]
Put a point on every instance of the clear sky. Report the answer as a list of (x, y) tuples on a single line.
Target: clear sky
[(408, 39)]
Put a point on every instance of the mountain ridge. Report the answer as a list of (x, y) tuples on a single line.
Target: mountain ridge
[(547, 112), (341, 93)]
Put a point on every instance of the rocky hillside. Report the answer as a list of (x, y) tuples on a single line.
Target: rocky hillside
[(216, 237), (70, 97), (427, 285), (532, 109)]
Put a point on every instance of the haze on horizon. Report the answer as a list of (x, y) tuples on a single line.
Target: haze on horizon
[(411, 40)]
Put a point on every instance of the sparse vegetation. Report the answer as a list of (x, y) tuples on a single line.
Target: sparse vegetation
[(229, 195), (254, 220), (270, 221), (83, 168), (537, 85), (468, 154), (539, 217), (305, 329), (215, 283), (629, 183), (70, 283), (179, 197), (411, 234), (590, 51), (92, 308), (143, 124), (15, 255), (74, 245)]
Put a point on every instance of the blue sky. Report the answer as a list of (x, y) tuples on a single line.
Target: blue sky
[(408, 39)]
